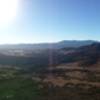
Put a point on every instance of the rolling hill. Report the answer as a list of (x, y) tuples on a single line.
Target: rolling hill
[(66, 73)]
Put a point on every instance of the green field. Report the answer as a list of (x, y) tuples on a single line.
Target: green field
[(16, 86)]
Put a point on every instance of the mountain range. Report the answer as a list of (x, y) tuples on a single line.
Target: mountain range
[(43, 55), (55, 45)]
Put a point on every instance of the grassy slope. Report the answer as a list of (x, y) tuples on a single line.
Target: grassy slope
[(23, 88)]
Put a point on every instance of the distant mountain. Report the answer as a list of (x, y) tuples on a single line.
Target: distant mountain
[(74, 43), (57, 45)]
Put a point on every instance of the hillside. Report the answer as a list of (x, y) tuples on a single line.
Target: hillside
[(67, 73), (84, 55)]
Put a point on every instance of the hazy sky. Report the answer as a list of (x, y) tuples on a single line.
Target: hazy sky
[(52, 20)]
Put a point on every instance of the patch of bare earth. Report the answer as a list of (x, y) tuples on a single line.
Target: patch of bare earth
[(76, 66), (60, 81), (73, 74)]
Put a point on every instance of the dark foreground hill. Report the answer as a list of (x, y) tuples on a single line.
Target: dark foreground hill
[(87, 55)]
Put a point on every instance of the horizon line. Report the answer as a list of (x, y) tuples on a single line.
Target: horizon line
[(21, 43)]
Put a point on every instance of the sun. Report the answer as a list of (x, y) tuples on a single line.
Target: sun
[(8, 10)]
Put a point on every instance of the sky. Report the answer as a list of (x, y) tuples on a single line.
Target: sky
[(51, 21)]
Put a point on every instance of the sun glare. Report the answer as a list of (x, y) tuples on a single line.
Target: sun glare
[(8, 10)]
